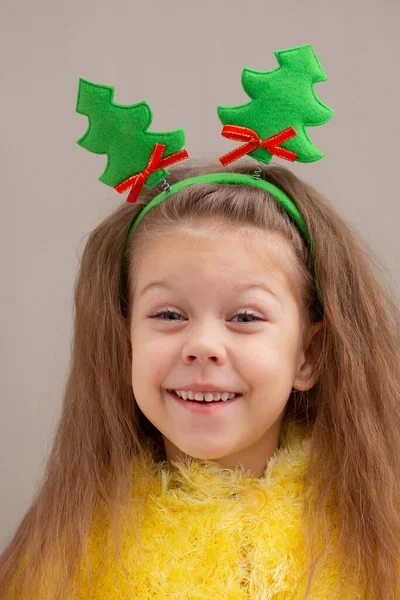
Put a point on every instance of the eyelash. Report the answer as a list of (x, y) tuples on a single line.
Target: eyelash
[(174, 312)]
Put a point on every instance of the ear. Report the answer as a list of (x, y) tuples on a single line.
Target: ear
[(305, 376)]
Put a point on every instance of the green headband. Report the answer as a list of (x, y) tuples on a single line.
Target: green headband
[(273, 123)]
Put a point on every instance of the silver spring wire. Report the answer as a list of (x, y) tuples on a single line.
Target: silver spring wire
[(257, 172), (166, 186)]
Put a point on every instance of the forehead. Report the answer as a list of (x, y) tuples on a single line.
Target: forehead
[(214, 255)]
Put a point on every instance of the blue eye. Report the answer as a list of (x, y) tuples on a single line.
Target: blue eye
[(247, 314), (173, 312), (166, 312)]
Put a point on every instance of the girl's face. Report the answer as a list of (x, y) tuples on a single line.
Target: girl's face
[(192, 326)]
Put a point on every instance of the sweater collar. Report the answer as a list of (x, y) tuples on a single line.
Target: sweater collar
[(203, 478)]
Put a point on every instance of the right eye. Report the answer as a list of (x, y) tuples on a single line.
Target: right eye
[(166, 312)]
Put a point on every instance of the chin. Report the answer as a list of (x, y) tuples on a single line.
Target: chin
[(211, 452)]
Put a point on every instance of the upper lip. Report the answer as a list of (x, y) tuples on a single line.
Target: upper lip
[(203, 387)]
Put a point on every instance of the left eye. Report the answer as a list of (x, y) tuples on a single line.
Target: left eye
[(247, 314), (173, 312)]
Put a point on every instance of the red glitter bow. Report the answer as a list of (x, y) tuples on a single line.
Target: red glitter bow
[(136, 182), (244, 134)]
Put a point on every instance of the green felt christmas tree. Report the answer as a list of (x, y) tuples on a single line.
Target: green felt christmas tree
[(136, 156), (283, 104)]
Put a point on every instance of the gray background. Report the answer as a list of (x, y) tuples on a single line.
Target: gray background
[(184, 58)]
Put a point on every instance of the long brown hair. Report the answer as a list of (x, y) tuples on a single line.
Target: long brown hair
[(354, 408)]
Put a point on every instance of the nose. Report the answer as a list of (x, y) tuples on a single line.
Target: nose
[(204, 344)]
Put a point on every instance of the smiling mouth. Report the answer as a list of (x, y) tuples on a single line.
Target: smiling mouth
[(203, 402)]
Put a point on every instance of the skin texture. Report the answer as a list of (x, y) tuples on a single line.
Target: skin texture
[(205, 340)]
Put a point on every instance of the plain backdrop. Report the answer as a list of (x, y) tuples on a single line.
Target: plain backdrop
[(184, 58)]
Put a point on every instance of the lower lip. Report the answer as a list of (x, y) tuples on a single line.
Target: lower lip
[(198, 407)]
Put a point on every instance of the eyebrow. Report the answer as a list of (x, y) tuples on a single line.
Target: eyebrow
[(241, 287)]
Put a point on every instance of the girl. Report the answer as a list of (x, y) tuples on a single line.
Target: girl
[(283, 480)]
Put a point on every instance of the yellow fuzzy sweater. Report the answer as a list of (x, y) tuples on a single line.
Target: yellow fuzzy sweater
[(213, 533)]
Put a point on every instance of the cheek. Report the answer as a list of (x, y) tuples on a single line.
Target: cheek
[(271, 358), (149, 363)]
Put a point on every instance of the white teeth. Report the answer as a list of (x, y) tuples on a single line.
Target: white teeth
[(207, 396)]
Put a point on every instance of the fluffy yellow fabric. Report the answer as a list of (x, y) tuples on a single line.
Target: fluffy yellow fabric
[(214, 533)]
